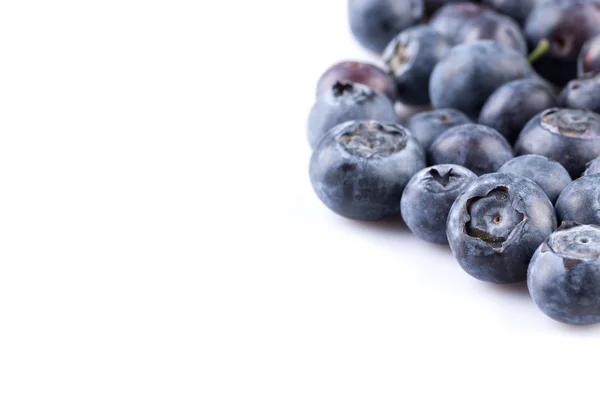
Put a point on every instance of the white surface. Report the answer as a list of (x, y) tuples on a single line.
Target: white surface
[(159, 238)]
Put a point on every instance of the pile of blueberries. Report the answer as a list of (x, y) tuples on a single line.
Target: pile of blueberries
[(509, 149)]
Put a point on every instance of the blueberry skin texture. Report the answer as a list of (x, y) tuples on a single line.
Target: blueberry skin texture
[(479, 148), (428, 197), (347, 101), (427, 126), (593, 167), (410, 58), (567, 24), (549, 175), (564, 275), (516, 9), (471, 72), (493, 26), (361, 171), (358, 72), (513, 104), (582, 93), (431, 6), (580, 201), (374, 23), (496, 224), (589, 58), (571, 137), (449, 19)]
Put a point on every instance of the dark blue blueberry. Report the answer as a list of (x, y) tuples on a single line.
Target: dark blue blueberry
[(589, 58), (410, 58), (360, 171), (549, 175), (564, 275), (471, 72), (593, 167), (496, 224), (580, 201), (567, 25), (431, 6), (513, 104), (427, 126), (516, 9), (476, 147), (358, 72), (375, 23), (450, 18), (428, 197), (583, 93), (493, 26), (571, 137), (347, 101)]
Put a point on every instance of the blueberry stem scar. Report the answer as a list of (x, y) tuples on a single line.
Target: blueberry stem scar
[(541, 49)]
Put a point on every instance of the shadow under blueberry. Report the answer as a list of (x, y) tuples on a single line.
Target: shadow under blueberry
[(518, 289)]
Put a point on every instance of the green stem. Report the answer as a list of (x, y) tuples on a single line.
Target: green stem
[(541, 49)]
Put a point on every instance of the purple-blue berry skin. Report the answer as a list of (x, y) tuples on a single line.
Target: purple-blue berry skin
[(516, 9), (549, 175), (358, 72), (496, 224), (580, 201), (479, 148), (427, 126), (582, 93), (374, 23), (493, 26), (589, 58), (471, 72), (564, 275), (567, 25), (571, 137), (449, 19), (410, 58), (347, 101), (428, 197), (361, 170), (593, 167), (513, 104)]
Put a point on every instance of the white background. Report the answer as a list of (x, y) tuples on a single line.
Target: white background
[(159, 238)]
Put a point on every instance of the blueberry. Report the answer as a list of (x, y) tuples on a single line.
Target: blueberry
[(589, 58), (429, 125), (583, 93), (346, 101), (564, 275), (431, 6), (358, 72), (450, 18), (496, 224), (374, 23), (471, 72), (567, 25), (410, 58), (493, 26), (593, 167), (549, 175), (580, 201), (428, 198), (571, 137), (513, 104), (476, 147), (360, 171), (516, 9)]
